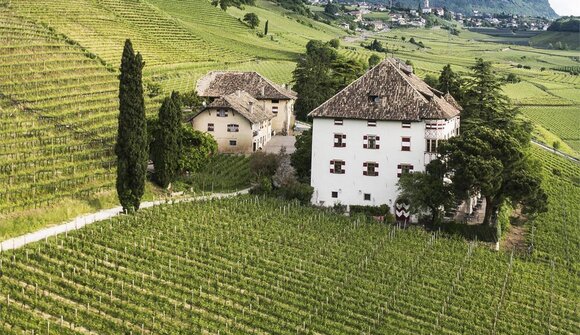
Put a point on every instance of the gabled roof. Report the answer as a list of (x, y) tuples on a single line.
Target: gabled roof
[(389, 91), (243, 103), (219, 83)]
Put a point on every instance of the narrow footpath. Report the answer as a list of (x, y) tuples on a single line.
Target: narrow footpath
[(81, 221)]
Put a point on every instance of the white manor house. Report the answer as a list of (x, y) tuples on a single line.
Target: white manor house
[(386, 123)]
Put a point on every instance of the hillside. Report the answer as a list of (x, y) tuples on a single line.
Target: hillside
[(519, 7), (557, 40), (58, 76)]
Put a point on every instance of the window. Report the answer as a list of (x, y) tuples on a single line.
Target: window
[(275, 109), (405, 144), (374, 98), (371, 169), (371, 142), (367, 197), (404, 168), (337, 166), (372, 123), (338, 122), (233, 142), (339, 140), (222, 113), (431, 146), (233, 128), (406, 124), (210, 127), (334, 194), (275, 101)]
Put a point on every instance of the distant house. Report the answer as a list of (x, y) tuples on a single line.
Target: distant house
[(358, 15), (238, 122), (383, 125), (438, 11), (272, 97)]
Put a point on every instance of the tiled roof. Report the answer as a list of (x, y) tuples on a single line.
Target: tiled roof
[(219, 83), (389, 91), (243, 103)]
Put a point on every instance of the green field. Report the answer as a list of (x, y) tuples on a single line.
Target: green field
[(258, 265)]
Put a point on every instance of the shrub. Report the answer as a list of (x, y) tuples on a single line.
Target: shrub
[(263, 165), (299, 191)]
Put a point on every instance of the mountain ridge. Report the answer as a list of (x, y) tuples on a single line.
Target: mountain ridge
[(518, 7)]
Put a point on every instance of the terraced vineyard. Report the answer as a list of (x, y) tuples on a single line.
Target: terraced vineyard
[(58, 115), (254, 265), (564, 121), (223, 173)]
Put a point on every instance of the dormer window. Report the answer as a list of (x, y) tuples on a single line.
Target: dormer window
[(406, 124), (374, 98), (338, 122), (372, 123), (222, 113)]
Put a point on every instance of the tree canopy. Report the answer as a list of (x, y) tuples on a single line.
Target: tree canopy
[(166, 146), (319, 74), (491, 154), (252, 20)]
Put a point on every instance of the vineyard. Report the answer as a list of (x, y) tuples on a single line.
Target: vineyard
[(259, 265), (223, 173), (58, 118)]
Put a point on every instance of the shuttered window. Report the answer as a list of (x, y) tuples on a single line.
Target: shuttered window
[(404, 168), (339, 140), (405, 144), (370, 169), (371, 142), (337, 166)]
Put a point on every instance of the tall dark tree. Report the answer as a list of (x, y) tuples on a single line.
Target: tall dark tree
[(165, 150), (483, 101), (301, 159), (491, 155), (132, 144), (319, 74), (449, 82), (266, 27)]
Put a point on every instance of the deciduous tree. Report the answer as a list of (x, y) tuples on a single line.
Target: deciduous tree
[(252, 20)]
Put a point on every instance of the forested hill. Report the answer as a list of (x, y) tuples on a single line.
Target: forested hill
[(520, 7)]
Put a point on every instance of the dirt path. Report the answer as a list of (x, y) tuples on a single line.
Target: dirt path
[(81, 221), (515, 239)]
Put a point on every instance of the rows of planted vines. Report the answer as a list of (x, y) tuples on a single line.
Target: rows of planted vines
[(259, 265), (222, 173), (58, 118), (555, 235)]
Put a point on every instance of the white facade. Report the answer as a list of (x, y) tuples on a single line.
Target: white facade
[(355, 186)]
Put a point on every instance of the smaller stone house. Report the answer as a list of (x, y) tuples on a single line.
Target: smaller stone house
[(238, 122), (273, 98)]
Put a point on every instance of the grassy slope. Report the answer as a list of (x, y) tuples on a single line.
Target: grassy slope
[(570, 39)]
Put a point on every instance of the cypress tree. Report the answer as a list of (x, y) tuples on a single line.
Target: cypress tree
[(131, 147), (166, 147), (266, 28)]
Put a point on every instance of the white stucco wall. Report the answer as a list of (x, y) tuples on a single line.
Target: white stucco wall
[(352, 185), (284, 119)]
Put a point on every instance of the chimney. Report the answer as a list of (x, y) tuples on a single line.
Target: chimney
[(251, 103)]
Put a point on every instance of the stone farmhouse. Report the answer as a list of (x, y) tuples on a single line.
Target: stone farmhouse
[(273, 98), (386, 123), (238, 122)]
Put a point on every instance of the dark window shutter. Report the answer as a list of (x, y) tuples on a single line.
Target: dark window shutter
[(398, 166), (377, 146), (377, 165), (365, 137), (365, 164), (331, 170), (343, 144), (378, 138), (398, 175), (343, 136), (411, 167), (365, 173), (365, 146)]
